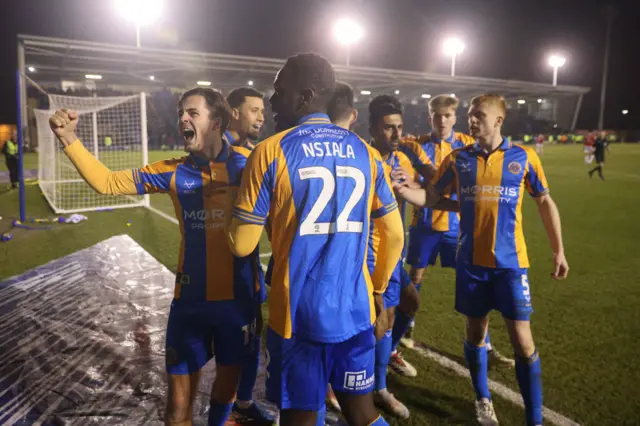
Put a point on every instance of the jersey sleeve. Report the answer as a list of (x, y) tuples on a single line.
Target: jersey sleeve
[(256, 189), (535, 179), (415, 154), (236, 164), (445, 176), (384, 202), (154, 177)]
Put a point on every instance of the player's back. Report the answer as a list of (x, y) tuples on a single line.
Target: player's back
[(320, 209)]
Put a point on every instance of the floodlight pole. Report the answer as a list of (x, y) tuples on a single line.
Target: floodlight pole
[(137, 35), (555, 76), (453, 65), (605, 71), (348, 55)]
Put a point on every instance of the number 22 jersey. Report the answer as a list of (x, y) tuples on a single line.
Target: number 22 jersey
[(319, 183)]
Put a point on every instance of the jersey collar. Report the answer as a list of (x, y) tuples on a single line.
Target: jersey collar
[(450, 139), (315, 118), (221, 158), (229, 137), (505, 145)]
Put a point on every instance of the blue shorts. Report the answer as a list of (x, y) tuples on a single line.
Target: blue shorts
[(425, 245), (479, 290), (198, 331), (299, 370), (399, 280)]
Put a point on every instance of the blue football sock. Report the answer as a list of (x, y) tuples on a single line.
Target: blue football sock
[(383, 354), (476, 358), (380, 421), (250, 372), (322, 415), (400, 327), (218, 413), (529, 375)]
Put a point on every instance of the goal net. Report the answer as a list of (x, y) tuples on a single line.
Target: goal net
[(113, 129)]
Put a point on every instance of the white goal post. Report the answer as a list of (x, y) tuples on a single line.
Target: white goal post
[(113, 129)]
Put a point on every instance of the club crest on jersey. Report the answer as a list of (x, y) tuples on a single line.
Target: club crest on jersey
[(465, 167), (515, 167), (189, 185)]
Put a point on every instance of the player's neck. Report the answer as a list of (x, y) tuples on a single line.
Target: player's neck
[(491, 143), (211, 150), (344, 124), (237, 140)]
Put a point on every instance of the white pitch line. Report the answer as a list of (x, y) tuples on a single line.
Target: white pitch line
[(497, 388), (265, 255), (163, 214)]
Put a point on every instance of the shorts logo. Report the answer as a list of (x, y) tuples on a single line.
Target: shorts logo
[(182, 279), (515, 167), (357, 381)]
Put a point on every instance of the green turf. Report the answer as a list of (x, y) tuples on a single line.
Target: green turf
[(586, 327)]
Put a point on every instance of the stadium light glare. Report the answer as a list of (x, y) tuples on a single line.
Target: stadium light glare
[(152, 77), (250, 82), (625, 111), (556, 61), (203, 83), (32, 69), (521, 101), (540, 101), (426, 96), (397, 92), (453, 94), (453, 46), (347, 33), (365, 92), (93, 76), (140, 12)]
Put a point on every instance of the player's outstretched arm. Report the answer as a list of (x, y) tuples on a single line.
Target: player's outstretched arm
[(97, 175), (551, 220), (390, 249)]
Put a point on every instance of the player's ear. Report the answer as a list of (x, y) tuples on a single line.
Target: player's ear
[(499, 122), (306, 96), (216, 125), (235, 113), (353, 118)]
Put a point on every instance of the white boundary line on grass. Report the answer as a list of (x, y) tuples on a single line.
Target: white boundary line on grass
[(497, 388)]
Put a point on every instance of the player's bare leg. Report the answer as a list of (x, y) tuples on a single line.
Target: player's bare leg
[(223, 392), (381, 395), (416, 278), (359, 410), (528, 369), (182, 391), (297, 418), (475, 353)]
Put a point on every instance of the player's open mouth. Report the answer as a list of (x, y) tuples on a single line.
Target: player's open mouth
[(188, 135)]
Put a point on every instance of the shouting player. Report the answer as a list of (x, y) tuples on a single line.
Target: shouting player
[(434, 233), (490, 177), (216, 294), (319, 184)]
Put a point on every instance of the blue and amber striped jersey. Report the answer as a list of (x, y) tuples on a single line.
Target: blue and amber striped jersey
[(319, 184), (391, 161), (437, 150), (207, 270), (490, 191)]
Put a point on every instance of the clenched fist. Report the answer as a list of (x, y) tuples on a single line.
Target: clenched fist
[(63, 123)]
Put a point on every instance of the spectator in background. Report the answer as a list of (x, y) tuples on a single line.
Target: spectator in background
[(599, 147), (10, 151)]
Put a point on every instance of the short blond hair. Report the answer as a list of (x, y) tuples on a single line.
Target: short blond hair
[(491, 99), (443, 101)]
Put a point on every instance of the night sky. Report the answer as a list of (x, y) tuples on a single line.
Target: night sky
[(507, 39)]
